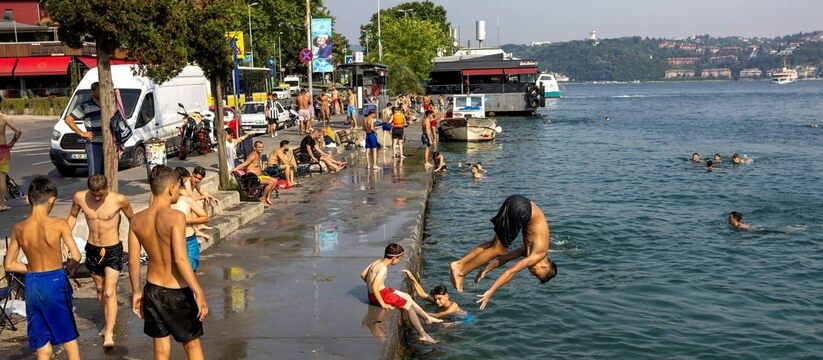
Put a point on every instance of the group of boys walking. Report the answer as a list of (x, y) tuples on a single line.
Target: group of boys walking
[(172, 303)]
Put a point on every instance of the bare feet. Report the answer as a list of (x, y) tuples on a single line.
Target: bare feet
[(375, 167), (456, 278), (433, 320), (108, 341), (428, 339)]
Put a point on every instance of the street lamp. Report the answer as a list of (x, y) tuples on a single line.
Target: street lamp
[(251, 37), (405, 12), (280, 55)]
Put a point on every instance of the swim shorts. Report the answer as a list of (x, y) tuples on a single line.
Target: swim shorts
[(371, 141), (512, 218), (170, 312), (389, 297), (397, 133), (386, 126), (5, 158), (49, 309), (271, 120), (193, 251), (98, 258), (425, 139), (351, 111), (305, 115)]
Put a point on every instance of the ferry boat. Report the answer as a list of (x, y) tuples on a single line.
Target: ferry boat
[(784, 75), (549, 83), (467, 120), (508, 83)]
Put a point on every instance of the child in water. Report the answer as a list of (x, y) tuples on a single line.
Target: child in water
[(736, 221), (438, 296), (709, 166)]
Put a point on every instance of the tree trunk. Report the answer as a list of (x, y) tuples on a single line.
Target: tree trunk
[(222, 166), (110, 158)]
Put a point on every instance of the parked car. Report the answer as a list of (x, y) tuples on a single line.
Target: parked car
[(282, 92)]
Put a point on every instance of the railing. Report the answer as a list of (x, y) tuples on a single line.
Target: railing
[(478, 88)]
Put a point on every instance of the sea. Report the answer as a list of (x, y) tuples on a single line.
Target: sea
[(648, 266)]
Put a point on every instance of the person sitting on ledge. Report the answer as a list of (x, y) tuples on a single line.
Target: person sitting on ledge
[(309, 146)]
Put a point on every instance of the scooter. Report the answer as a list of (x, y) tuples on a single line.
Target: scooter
[(194, 134)]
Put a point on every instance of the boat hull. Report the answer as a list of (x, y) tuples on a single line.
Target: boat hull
[(552, 94), (467, 130)]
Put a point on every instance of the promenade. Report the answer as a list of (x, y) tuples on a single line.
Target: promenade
[(286, 284)]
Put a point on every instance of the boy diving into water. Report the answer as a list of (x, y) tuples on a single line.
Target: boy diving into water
[(517, 213), (379, 295), (48, 292)]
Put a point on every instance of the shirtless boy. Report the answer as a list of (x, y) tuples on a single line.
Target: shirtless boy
[(324, 108), (172, 302), (439, 296), (736, 221), (254, 165), (379, 295), (351, 109), (428, 136), (195, 215), (282, 157), (5, 153), (48, 292), (517, 213), (303, 110), (102, 209), (371, 141)]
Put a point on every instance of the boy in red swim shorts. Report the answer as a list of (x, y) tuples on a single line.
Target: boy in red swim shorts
[(379, 295)]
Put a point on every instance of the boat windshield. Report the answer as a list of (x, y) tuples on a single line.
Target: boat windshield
[(468, 101)]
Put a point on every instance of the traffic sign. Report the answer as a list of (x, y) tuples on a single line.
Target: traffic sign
[(349, 59), (306, 55)]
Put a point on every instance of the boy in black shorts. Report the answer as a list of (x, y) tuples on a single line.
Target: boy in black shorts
[(172, 302)]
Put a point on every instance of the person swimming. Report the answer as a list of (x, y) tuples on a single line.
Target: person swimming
[(695, 157), (735, 219), (717, 159), (439, 296), (737, 160), (709, 166)]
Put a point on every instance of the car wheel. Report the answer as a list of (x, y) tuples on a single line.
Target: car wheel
[(65, 170), (138, 157)]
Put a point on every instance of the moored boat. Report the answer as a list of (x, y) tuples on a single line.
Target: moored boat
[(467, 121), (784, 75)]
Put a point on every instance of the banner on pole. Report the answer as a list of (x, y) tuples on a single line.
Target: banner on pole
[(238, 46), (321, 45)]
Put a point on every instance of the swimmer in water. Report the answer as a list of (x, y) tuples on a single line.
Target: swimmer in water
[(438, 296), (479, 166), (476, 174), (606, 119), (695, 157), (717, 159), (736, 221), (709, 166), (813, 125), (737, 160)]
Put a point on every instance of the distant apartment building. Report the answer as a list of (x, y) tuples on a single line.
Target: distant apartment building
[(680, 61), (807, 72), (751, 73), (717, 73), (679, 74), (723, 59), (729, 50), (538, 43), (667, 44), (688, 47)]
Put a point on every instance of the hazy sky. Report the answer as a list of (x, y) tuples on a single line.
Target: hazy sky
[(524, 21)]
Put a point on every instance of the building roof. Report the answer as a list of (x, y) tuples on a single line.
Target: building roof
[(9, 26)]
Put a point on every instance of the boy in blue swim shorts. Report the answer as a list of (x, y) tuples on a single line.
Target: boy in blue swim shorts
[(48, 292)]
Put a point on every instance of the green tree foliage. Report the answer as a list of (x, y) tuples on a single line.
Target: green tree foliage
[(153, 31), (409, 45), (209, 22), (425, 10)]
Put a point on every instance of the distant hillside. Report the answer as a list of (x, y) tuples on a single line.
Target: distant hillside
[(636, 58)]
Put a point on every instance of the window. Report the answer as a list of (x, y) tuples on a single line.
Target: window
[(8, 15), (146, 114)]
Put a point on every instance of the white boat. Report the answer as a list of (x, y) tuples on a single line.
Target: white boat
[(784, 75), (467, 121), (549, 83)]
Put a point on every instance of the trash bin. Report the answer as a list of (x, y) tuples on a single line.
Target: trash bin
[(155, 154)]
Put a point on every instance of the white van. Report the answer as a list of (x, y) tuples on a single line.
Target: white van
[(151, 111), (294, 84)]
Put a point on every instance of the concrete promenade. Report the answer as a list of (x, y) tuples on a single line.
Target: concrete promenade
[(286, 284)]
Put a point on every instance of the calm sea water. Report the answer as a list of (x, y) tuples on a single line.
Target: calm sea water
[(648, 267)]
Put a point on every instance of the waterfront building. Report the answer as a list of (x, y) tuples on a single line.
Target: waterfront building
[(718, 73), (688, 47), (667, 44), (679, 74), (679, 61)]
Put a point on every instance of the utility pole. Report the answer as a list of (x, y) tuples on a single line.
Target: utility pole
[(251, 37), (379, 37), (280, 55), (308, 46)]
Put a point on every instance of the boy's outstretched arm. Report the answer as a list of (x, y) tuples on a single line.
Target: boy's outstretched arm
[(500, 261), (505, 278), (418, 288)]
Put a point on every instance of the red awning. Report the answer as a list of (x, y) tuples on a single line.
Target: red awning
[(42, 66), (483, 72), (7, 66), (515, 71), (91, 62)]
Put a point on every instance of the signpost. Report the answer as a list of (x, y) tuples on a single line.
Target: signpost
[(306, 56), (349, 59)]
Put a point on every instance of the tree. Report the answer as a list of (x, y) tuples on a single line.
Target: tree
[(409, 45), (426, 10), (209, 48), (153, 31)]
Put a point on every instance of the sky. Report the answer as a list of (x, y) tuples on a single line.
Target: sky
[(525, 21)]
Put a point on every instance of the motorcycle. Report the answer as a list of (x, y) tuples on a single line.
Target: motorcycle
[(294, 116), (195, 134)]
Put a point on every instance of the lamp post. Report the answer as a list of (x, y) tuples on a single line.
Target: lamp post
[(379, 38), (251, 37), (280, 55)]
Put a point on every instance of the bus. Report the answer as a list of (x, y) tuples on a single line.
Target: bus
[(255, 83)]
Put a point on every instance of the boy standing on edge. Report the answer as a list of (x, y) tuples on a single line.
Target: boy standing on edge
[(102, 208), (48, 292), (172, 302), (398, 125), (379, 295), (427, 136)]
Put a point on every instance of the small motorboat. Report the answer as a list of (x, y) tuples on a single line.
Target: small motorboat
[(467, 120)]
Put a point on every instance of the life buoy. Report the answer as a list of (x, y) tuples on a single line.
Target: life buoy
[(534, 103)]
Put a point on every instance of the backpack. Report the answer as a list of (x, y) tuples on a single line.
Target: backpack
[(120, 129)]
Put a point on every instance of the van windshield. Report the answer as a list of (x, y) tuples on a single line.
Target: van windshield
[(129, 96)]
